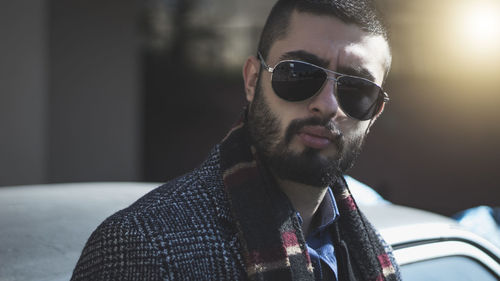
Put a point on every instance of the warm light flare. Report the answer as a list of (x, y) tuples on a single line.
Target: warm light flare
[(479, 25)]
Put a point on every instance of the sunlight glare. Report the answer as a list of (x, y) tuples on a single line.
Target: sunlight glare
[(480, 25)]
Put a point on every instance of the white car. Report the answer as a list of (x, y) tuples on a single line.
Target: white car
[(434, 248), (43, 229)]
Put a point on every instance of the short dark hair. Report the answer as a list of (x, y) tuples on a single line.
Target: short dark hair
[(363, 13)]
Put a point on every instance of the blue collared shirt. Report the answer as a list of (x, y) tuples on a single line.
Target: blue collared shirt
[(319, 240)]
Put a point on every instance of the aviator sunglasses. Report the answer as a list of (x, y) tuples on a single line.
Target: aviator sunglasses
[(294, 81)]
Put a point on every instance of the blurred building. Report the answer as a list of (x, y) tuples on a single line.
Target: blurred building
[(141, 90)]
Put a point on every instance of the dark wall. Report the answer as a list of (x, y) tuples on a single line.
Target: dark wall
[(95, 103), (70, 104), (186, 114), (23, 91)]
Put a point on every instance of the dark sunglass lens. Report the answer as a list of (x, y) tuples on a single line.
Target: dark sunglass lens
[(359, 98), (296, 81)]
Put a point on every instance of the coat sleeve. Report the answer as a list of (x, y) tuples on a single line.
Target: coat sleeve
[(118, 251)]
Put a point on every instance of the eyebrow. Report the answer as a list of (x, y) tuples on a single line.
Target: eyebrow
[(356, 71), (312, 58)]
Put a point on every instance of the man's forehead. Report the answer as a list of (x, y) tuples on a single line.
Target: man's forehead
[(372, 54)]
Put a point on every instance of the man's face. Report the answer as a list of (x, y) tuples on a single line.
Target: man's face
[(314, 141)]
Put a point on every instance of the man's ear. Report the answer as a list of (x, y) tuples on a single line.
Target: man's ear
[(372, 121), (380, 110), (250, 76)]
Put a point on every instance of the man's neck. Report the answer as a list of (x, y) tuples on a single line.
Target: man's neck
[(305, 199)]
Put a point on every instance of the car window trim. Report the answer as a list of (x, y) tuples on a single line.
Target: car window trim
[(412, 253)]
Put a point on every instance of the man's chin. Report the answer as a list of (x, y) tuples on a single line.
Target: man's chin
[(309, 168), (319, 181)]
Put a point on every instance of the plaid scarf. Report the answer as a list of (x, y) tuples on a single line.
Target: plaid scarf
[(273, 245)]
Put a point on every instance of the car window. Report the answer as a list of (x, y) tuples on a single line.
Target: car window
[(456, 268)]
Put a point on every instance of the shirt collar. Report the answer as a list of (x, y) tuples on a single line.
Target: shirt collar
[(327, 211)]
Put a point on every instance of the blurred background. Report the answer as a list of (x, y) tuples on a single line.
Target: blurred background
[(141, 90)]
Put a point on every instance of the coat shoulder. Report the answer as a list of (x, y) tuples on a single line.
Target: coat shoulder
[(182, 230)]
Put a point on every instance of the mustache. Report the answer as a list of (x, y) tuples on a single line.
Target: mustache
[(297, 124)]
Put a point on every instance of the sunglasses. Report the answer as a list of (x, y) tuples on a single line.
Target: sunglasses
[(295, 81)]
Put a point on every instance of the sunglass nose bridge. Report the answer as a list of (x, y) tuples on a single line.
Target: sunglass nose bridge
[(332, 78), (330, 75)]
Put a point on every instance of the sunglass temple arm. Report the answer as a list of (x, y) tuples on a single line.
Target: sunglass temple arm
[(263, 62)]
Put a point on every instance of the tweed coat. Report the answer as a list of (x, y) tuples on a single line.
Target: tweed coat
[(183, 230)]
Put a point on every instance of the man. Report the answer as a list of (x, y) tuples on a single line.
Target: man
[(270, 202)]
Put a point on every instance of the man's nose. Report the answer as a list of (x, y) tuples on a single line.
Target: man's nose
[(324, 104)]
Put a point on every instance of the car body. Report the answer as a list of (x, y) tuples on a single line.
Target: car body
[(43, 229), (431, 247)]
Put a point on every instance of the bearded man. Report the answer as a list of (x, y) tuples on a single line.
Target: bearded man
[(271, 202)]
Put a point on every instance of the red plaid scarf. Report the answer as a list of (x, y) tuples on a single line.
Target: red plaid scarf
[(273, 244)]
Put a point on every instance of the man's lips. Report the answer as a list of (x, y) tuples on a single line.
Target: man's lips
[(317, 137)]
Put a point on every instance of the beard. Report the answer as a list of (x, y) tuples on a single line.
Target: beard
[(309, 166)]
